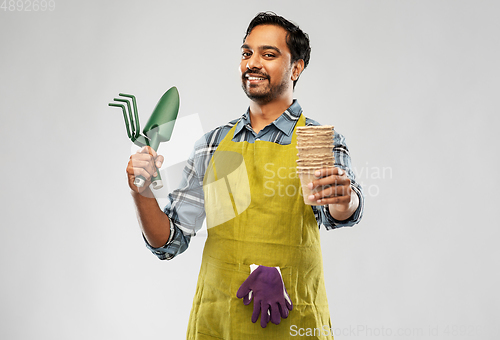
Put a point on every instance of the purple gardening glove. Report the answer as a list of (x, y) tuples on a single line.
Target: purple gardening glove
[(267, 289)]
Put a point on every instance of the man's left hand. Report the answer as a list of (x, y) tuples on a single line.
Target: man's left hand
[(338, 187), (337, 193)]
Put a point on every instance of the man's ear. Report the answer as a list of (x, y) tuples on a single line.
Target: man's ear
[(297, 69)]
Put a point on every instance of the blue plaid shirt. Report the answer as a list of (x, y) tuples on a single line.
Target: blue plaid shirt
[(185, 207)]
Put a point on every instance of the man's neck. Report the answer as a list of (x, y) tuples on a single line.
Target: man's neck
[(262, 115)]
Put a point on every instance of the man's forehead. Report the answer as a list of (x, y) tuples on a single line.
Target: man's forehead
[(265, 36)]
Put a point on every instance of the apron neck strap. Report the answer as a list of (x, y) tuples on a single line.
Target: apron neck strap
[(301, 122)]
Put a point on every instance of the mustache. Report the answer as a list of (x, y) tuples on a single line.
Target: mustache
[(255, 72)]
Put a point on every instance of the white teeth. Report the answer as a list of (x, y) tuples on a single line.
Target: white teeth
[(255, 78)]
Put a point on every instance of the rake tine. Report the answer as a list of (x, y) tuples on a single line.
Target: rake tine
[(135, 132), (136, 112), (125, 117)]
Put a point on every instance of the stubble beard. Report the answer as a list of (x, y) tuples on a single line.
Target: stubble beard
[(268, 93)]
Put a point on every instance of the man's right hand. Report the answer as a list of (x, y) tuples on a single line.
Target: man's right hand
[(154, 223), (145, 163)]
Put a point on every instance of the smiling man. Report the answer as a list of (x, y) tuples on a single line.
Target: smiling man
[(266, 69), (262, 258)]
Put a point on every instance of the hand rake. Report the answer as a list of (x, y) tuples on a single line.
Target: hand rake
[(158, 128)]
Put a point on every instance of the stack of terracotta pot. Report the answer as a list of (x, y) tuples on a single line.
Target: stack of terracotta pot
[(315, 145)]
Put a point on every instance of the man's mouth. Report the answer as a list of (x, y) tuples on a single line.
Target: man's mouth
[(252, 77), (255, 78)]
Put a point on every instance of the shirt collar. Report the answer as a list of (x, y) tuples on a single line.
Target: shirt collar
[(286, 122)]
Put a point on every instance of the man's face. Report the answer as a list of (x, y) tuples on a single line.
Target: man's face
[(265, 66)]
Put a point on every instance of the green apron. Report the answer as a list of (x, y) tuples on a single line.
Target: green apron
[(256, 214)]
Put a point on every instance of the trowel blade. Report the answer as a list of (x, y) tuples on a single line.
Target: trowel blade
[(163, 118)]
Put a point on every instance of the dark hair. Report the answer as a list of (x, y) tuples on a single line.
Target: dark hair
[(296, 40)]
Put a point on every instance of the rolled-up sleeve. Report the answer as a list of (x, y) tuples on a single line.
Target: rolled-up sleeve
[(177, 243)]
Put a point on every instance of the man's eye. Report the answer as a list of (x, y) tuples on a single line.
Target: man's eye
[(269, 55), (245, 54)]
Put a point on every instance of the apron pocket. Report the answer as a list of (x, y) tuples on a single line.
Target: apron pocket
[(219, 308)]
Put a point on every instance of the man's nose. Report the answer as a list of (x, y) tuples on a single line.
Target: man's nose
[(254, 62)]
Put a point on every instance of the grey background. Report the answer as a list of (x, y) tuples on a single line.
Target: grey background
[(413, 85)]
